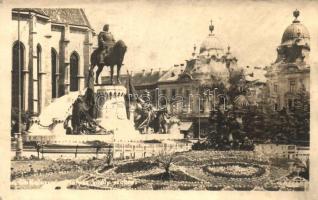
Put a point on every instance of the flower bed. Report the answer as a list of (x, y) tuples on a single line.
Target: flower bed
[(234, 170), (243, 187), (271, 187), (135, 167), (173, 176), (186, 187), (214, 187), (159, 186)]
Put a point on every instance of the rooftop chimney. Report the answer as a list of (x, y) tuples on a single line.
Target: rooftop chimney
[(143, 72), (151, 70)]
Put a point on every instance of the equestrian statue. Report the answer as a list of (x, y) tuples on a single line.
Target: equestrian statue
[(109, 53)]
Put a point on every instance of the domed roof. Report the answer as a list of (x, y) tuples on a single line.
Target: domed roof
[(295, 31), (211, 43)]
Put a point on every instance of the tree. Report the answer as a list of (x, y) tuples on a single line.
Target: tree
[(301, 113), (254, 123)]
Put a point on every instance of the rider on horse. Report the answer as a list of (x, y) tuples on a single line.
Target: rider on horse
[(106, 42)]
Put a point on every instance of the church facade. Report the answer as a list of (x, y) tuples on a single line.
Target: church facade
[(291, 70), (51, 47)]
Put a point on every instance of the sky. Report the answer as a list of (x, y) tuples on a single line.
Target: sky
[(160, 34)]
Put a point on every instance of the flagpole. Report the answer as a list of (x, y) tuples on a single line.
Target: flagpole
[(128, 95), (19, 72)]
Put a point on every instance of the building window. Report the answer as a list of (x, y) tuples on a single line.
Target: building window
[(201, 105), (275, 106), (292, 86), (54, 73), (275, 88), (18, 63), (74, 66), (18, 52), (173, 93), (180, 91), (290, 104), (187, 93), (187, 96), (164, 92)]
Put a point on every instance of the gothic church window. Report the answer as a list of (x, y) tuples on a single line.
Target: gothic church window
[(74, 66)]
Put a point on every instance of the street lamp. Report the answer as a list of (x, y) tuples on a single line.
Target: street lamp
[(199, 117), (19, 142)]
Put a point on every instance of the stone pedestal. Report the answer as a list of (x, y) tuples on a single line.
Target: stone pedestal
[(111, 110)]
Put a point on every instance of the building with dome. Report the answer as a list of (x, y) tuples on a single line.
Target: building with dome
[(181, 87), (291, 70)]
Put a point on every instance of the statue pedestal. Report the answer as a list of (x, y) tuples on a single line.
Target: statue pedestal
[(111, 115), (111, 110)]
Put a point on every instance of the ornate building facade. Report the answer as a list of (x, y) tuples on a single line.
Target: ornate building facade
[(51, 47), (182, 85), (291, 70)]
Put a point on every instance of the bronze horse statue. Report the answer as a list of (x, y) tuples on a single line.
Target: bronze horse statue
[(115, 57)]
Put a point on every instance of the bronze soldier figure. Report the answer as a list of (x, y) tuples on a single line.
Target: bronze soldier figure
[(106, 42)]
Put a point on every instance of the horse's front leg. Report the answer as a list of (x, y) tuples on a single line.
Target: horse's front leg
[(111, 74), (92, 67), (118, 74), (99, 70)]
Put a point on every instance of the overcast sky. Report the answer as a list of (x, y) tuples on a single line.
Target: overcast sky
[(161, 33)]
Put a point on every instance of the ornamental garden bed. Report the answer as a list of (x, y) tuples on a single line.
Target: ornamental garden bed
[(243, 187), (271, 187), (135, 167), (214, 187), (173, 176), (186, 187), (234, 170), (159, 186)]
